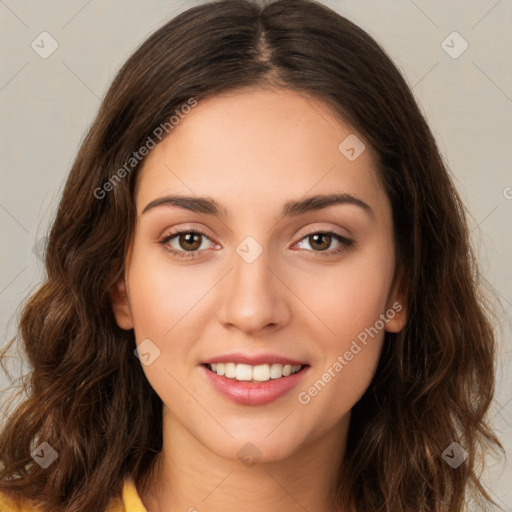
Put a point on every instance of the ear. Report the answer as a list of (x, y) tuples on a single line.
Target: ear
[(396, 311), (121, 305)]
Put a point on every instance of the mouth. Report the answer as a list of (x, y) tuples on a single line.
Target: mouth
[(253, 385), (257, 373)]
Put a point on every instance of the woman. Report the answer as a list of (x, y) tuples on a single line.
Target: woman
[(260, 291)]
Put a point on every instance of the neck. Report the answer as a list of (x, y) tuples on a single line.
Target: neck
[(188, 476)]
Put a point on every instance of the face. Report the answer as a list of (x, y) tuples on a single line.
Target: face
[(263, 282)]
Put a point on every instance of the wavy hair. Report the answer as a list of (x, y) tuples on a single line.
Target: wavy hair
[(86, 394)]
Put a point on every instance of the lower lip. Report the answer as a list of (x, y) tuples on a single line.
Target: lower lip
[(254, 393)]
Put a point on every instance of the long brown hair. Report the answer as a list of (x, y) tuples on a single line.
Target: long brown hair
[(87, 396)]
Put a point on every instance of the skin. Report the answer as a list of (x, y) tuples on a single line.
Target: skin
[(294, 300)]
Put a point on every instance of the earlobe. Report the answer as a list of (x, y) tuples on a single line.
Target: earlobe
[(121, 305), (396, 312), (396, 316)]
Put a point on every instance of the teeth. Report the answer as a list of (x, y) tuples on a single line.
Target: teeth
[(243, 372), (260, 373), (276, 371), (230, 370)]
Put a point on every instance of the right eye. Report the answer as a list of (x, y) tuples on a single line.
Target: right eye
[(185, 243)]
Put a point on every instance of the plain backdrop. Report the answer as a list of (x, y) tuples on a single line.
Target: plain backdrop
[(462, 81)]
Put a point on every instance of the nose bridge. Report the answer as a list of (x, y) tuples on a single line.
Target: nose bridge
[(252, 298)]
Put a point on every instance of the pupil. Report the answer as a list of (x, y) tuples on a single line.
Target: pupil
[(190, 238), (323, 235)]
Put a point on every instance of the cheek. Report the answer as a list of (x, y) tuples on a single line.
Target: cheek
[(333, 392), (348, 353), (163, 301), (347, 297), (348, 301), (163, 294)]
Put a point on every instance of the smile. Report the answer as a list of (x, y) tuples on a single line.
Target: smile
[(253, 385), (259, 373)]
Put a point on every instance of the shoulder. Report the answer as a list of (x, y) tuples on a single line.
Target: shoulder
[(131, 498), (130, 501), (9, 504)]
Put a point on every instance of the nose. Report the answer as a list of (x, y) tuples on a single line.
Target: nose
[(253, 297)]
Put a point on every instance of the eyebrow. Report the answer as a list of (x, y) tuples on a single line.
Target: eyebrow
[(294, 208)]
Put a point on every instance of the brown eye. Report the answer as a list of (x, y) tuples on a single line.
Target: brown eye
[(189, 241), (186, 244), (320, 241)]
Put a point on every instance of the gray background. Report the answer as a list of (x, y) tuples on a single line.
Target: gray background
[(48, 104)]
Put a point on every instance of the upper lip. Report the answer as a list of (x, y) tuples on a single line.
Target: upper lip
[(253, 360)]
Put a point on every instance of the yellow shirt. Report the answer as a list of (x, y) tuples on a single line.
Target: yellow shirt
[(130, 501)]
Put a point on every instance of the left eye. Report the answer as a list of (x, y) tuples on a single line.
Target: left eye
[(320, 241)]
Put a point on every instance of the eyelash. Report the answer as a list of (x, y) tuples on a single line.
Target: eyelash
[(345, 243)]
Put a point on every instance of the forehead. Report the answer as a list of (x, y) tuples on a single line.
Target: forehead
[(259, 145)]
